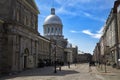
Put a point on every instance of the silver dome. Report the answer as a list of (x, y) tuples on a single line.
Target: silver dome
[(52, 19)]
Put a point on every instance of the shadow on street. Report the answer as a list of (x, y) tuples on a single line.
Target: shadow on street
[(47, 71)]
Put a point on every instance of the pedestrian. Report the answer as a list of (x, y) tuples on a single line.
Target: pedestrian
[(60, 64), (68, 64), (59, 67), (90, 67)]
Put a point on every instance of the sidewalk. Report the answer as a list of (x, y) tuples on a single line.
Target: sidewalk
[(110, 74)]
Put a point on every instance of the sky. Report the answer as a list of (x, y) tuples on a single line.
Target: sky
[(83, 20)]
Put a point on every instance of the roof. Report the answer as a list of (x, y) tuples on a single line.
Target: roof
[(52, 18)]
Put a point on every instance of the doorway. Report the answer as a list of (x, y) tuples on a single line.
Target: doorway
[(25, 62)]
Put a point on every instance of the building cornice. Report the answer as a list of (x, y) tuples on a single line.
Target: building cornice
[(31, 6), (59, 46), (43, 38), (25, 2)]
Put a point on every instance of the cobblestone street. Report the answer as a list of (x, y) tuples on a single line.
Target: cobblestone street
[(78, 72)]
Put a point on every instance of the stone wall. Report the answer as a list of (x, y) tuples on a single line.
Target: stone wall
[(18, 35), (5, 8), (44, 48)]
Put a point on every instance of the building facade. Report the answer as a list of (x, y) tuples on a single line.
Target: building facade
[(109, 42), (96, 55), (74, 54), (53, 29), (44, 51), (21, 45), (18, 35), (83, 58)]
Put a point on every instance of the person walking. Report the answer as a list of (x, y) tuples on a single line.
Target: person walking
[(68, 64), (90, 67)]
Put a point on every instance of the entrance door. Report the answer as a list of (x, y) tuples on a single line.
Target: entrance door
[(25, 62), (26, 53)]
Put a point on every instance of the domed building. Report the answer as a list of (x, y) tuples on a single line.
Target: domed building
[(53, 28)]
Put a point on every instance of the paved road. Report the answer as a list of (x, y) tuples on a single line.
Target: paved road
[(78, 72)]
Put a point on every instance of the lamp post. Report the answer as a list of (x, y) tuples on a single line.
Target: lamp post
[(55, 71), (105, 64), (53, 46)]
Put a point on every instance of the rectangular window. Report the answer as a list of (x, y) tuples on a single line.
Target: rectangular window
[(25, 19), (18, 15), (14, 14), (33, 21)]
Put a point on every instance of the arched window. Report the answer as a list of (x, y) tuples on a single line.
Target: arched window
[(56, 31), (59, 31), (48, 30), (52, 30)]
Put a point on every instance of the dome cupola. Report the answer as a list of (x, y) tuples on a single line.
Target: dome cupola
[(53, 26), (52, 18)]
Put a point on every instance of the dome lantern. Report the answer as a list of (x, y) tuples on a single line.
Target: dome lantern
[(53, 11)]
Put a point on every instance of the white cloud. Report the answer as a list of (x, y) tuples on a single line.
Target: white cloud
[(87, 32), (64, 11), (80, 6), (94, 35), (97, 35), (92, 16), (101, 30), (72, 2), (87, 14), (94, 4), (73, 31)]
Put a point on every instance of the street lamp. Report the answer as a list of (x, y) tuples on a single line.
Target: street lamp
[(55, 71)]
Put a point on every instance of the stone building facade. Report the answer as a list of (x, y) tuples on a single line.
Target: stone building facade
[(83, 58), (109, 42), (18, 35), (68, 55), (44, 51), (75, 53), (53, 31), (71, 54), (96, 55), (21, 45)]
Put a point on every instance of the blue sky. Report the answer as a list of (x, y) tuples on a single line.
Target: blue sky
[(83, 20)]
